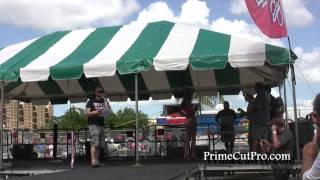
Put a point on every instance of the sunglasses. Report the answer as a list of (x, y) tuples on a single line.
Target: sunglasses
[(99, 91), (315, 116)]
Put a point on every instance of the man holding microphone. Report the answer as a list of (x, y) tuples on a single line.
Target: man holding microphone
[(97, 109)]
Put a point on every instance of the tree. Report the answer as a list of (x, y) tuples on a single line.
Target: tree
[(74, 118), (126, 119)]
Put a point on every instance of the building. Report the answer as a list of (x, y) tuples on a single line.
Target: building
[(210, 102), (29, 116)]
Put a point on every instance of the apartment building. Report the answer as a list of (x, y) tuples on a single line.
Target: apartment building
[(29, 116)]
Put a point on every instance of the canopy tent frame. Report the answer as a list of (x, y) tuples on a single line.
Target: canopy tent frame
[(1, 124), (137, 120), (136, 84)]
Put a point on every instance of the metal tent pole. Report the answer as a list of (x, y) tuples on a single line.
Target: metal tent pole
[(17, 116), (137, 124), (285, 102), (200, 109), (280, 93), (1, 123), (295, 117)]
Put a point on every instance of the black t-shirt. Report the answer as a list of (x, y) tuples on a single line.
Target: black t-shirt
[(94, 105), (226, 119), (274, 106)]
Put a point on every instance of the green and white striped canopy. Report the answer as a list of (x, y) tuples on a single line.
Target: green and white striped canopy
[(68, 64)]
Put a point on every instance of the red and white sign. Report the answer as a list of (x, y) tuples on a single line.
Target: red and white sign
[(268, 16)]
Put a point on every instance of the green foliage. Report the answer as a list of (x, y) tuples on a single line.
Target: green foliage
[(75, 118), (126, 119)]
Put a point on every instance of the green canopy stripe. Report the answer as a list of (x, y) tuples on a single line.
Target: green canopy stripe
[(210, 51), (10, 70), (72, 66), (226, 78), (140, 55), (276, 55), (128, 82), (10, 51), (88, 85), (179, 78), (52, 88), (11, 86)]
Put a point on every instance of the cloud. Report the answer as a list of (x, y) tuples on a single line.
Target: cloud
[(304, 102), (192, 12), (157, 11), (52, 15), (196, 12), (308, 63), (242, 29), (296, 11), (238, 7)]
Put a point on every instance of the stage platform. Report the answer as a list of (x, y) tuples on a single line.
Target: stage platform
[(115, 170), (124, 170)]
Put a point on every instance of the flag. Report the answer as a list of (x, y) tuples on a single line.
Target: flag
[(268, 16)]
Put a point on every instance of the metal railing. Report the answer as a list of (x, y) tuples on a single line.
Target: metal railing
[(7, 144), (43, 141), (120, 143)]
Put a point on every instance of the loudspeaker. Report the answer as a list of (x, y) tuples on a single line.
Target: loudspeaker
[(23, 152), (175, 152), (305, 129), (200, 150)]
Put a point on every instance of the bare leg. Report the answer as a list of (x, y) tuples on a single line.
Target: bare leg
[(226, 144), (93, 155), (187, 144), (193, 136), (97, 155), (255, 144), (231, 146), (193, 146), (186, 150)]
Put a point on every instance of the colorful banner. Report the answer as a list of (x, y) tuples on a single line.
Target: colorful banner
[(268, 16)]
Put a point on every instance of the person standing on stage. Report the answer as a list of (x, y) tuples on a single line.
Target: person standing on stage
[(226, 119), (248, 114), (97, 109), (188, 110), (260, 116)]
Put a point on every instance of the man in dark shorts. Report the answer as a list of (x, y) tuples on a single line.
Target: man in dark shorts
[(226, 118), (95, 112)]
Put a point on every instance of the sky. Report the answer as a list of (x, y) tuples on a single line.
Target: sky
[(21, 20)]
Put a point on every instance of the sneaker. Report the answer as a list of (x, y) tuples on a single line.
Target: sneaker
[(98, 165)]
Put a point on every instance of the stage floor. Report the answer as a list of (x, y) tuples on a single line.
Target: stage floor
[(115, 170), (124, 170)]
